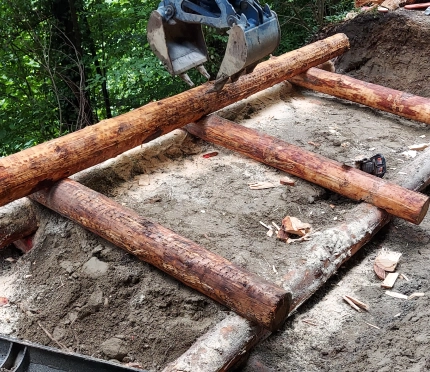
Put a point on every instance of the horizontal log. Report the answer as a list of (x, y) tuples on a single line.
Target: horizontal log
[(386, 99), (17, 220), (225, 343), (245, 293), (42, 165), (343, 179)]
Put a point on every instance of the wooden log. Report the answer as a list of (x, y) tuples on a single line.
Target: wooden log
[(38, 167), (17, 220), (245, 293), (364, 221), (372, 95), (343, 179), (417, 6)]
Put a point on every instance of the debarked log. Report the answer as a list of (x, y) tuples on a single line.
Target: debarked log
[(386, 99), (40, 166), (245, 293), (224, 344), (341, 178), (17, 220)]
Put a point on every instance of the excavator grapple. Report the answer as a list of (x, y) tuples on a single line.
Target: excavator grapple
[(175, 35)]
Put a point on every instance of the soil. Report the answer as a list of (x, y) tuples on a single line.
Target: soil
[(95, 299)]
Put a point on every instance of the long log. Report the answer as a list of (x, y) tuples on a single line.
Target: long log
[(219, 348), (343, 179), (386, 99), (40, 166), (17, 220), (245, 293)]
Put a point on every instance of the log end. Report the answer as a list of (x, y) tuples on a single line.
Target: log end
[(422, 213), (281, 312)]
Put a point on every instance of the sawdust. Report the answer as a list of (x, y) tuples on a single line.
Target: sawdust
[(208, 200)]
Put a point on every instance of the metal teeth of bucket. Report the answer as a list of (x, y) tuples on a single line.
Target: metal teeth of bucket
[(245, 48), (178, 45)]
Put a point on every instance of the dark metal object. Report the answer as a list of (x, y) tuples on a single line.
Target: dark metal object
[(375, 165), (22, 356), (176, 37)]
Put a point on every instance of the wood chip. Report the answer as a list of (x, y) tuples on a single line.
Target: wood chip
[(314, 144), (276, 226), (293, 225), (261, 185), (387, 260), (358, 303), (287, 181), (352, 304), (419, 147), (263, 224), (403, 276), (144, 180), (380, 273), (389, 280), (9, 259), (372, 325), (307, 321), (3, 301), (396, 295), (416, 294)]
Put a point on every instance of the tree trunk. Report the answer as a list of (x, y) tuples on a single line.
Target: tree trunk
[(223, 345), (372, 95), (17, 220), (37, 167), (247, 294), (315, 168)]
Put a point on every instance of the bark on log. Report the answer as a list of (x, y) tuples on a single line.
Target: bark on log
[(343, 179), (386, 99), (32, 169), (245, 293), (17, 220), (206, 354)]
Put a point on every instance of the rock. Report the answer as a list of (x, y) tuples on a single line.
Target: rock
[(114, 348), (59, 333), (68, 266), (95, 268)]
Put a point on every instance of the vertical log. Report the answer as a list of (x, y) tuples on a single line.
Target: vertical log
[(40, 166), (343, 179), (372, 95)]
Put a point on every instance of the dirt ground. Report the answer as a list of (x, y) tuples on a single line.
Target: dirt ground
[(96, 299)]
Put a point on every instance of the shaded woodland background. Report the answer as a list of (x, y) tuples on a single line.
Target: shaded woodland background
[(66, 64)]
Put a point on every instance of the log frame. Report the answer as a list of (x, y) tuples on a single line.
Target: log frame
[(371, 220), (382, 98), (343, 179), (40, 166), (245, 293)]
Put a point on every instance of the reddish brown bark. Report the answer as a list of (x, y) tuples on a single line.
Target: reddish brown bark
[(372, 95), (38, 167), (223, 345), (17, 220), (343, 179), (245, 293)]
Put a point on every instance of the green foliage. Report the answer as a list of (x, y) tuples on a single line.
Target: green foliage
[(48, 70)]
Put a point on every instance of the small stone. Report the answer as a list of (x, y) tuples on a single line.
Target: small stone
[(311, 200), (114, 348), (95, 268), (68, 266)]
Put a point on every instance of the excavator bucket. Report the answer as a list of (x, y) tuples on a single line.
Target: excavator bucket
[(246, 48), (180, 46)]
